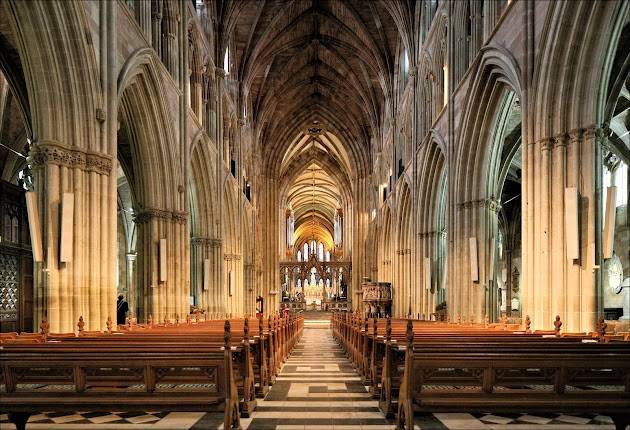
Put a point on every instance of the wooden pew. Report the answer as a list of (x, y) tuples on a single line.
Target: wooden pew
[(132, 377), (385, 358), (496, 373), (248, 352)]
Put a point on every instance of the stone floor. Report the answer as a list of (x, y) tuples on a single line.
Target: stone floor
[(317, 389)]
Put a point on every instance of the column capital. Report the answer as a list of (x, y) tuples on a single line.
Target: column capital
[(546, 144), (231, 257), (147, 214), (561, 140), (51, 152), (490, 204)]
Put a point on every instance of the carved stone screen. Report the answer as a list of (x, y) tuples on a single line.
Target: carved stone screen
[(9, 287)]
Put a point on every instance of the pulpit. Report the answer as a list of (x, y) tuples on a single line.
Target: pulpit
[(377, 298)]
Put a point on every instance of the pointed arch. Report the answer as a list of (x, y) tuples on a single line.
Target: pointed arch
[(145, 116)]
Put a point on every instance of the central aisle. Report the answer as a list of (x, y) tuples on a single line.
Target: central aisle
[(318, 388)]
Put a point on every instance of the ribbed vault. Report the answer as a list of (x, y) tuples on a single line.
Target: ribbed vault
[(324, 62)]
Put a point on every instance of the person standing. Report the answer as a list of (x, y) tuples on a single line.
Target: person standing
[(122, 307)]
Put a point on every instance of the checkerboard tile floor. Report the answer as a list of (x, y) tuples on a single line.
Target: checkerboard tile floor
[(318, 388)]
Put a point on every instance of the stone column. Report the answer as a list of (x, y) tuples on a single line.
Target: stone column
[(249, 290), (234, 266), (132, 291), (270, 236), (163, 299), (355, 231), (466, 298), (200, 248), (84, 286), (426, 297), (556, 285)]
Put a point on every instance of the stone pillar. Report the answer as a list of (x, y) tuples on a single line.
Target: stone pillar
[(355, 232), (86, 285), (211, 299), (270, 236), (426, 297), (163, 299), (554, 285), (234, 268), (249, 290), (132, 290), (466, 298)]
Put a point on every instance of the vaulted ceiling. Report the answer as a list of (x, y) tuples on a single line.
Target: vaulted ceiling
[(329, 61), (319, 75)]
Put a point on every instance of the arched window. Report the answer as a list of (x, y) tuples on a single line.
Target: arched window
[(226, 61), (327, 255), (299, 255), (404, 70), (320, 253), (305, 252), (441, 245), (616, 174)]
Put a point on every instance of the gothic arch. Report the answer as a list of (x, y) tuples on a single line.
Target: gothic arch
[(56, 66), (203, 207), (404, 236), (156, 173), (432, 167), (565, 71), (497, 73)]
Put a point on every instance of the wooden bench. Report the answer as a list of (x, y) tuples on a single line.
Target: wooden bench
[(131, 365), (65, 377), (385, 353), (494, 376)]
